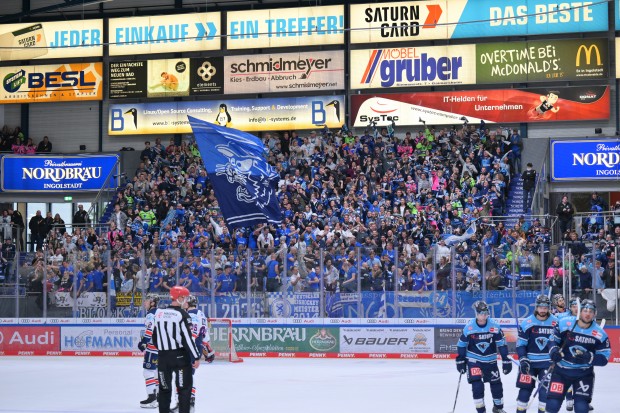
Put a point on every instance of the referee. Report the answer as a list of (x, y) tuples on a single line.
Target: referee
[(172, 336)]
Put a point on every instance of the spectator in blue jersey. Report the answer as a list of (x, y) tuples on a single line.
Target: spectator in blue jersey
[(226, 281), (156, 281), (170, 277), (350, 276), (273, 273), (185, 278), (418, 280)]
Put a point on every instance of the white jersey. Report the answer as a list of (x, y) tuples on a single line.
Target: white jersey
[(199, 325), (149, 324)]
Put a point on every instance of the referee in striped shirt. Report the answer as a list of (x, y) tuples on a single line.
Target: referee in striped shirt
[(177, 351)]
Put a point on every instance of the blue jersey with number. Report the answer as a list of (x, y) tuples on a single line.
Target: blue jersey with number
[(534, 338), (592, 339), (481, 343)]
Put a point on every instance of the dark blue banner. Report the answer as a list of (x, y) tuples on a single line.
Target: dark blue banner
[(38, 173), (585, 160)]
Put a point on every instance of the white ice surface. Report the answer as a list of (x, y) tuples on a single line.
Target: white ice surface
[(116, 385)]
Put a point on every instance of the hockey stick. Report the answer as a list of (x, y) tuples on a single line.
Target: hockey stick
[(547, 377), (457, 393)]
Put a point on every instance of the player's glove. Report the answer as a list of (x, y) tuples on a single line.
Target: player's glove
[(583, 356), (142, 346), (208, 352), (555, 354), (525, 365), (461, 365), (506, 366)]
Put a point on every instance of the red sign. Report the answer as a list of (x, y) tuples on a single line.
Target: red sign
[(614, 342), (557, 388), (27, 340), (492, 106)]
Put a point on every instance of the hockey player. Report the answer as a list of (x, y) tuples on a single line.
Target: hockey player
[(575, 350), (559, 306), (200, 334), (477, 356), (532, 347), (149, 364)]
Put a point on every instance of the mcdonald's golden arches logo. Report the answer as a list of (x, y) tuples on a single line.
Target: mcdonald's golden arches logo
[(587, 51)]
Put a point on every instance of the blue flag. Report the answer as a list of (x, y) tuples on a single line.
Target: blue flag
[(244, 183), (455, 239)]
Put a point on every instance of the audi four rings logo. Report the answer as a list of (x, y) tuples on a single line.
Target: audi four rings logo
[(206, 71)]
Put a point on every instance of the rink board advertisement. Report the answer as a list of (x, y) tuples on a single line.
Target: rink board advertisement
[(386, 340), (585, 160), (492, 106), (100, 338), (456, 19), (165, 34), (166, 78), (25, 340), (51, 83), (299, 26), (259, 337), (35, 173), (51, 40), (284, 72), (250, 115)]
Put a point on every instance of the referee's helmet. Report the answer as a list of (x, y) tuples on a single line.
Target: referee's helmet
[(178, 292)]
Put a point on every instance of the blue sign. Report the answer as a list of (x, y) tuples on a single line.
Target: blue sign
[(35, 173), (585, 160), (529, 17)]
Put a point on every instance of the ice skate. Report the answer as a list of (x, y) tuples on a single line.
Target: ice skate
[(192, 404), (591, 407), (497, 409), (150, 402), (174, 406), (570, 404)]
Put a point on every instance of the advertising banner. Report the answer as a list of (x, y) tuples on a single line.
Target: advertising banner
[(454, 19), (166, 78), (516, 62), (386, 340), (41, 173), (270, 338), (614, 341), (413, 66), (446, 339), (284, 72), (299, 26), (165, 34), (492, 106), (99, 338), (249, 115), (585, 160), (25, 341), (51, 40), (542, 61), (51, 83)]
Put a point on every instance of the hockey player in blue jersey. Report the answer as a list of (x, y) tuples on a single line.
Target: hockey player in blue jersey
[(559, 306), (482, 338), (200, 334), (149, 365), (532, 347), (575, 350)]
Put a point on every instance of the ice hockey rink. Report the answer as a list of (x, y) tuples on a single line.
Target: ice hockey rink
[(98, 384)]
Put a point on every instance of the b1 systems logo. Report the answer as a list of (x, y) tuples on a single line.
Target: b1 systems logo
[(407, 65)]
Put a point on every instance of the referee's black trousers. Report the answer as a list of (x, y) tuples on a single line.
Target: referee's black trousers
[(179, 362)]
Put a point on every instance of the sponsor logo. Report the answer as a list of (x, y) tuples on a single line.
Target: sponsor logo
[(289, 355), (110, 353), (583, 387), (408, 356), (82, 353), (525, 378), (47, 80), (258, 354), (376, 341), (587, 52), (54, 353), (556, 387), (475, 371), (408, 65), (441, 356), (346, 355), (419, 339), (25, 353), (323, 340), (317, 355), (281, 308), (377, 356), (206, 71), (303, 66)]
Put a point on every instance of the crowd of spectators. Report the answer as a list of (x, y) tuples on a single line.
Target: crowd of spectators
[(14, 140), (359, 205)]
